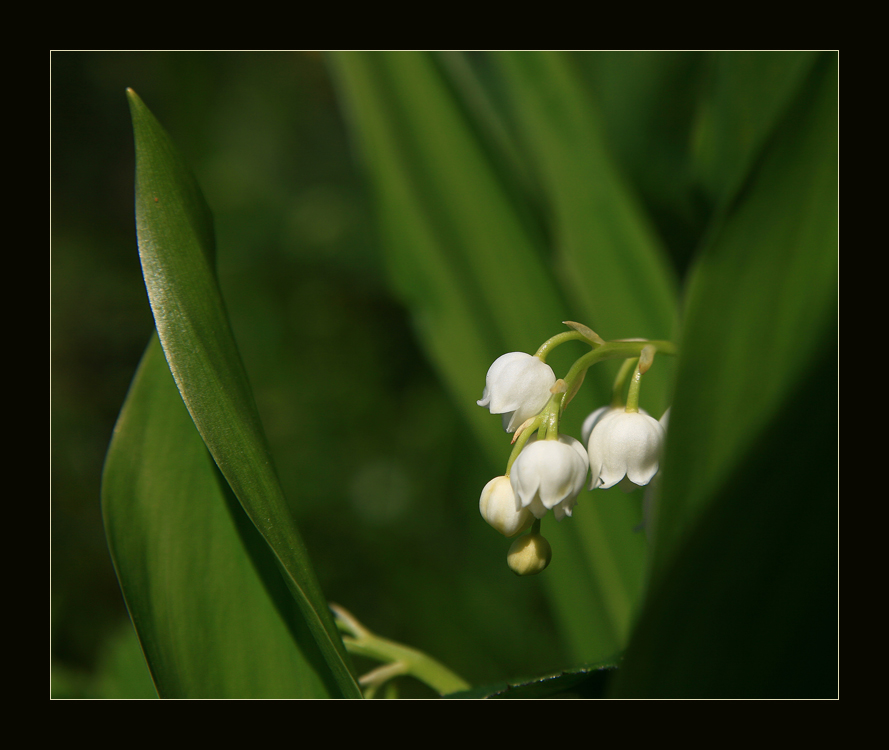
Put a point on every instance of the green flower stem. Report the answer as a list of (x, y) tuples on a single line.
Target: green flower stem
[(551, 413), (560, 338), (642, 366), (633, 393), (617, 391), (613, 350), (398, 659), (580, 333)]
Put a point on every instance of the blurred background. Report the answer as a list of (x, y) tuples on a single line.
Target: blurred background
[(386, 488)]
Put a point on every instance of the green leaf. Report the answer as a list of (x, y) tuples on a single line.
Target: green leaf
[(176, 247), (744, 582), (211, 609)]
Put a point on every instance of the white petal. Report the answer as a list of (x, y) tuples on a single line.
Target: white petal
[(590, 422)]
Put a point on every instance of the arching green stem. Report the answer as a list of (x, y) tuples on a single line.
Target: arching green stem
[(614, 350), (560, 338)]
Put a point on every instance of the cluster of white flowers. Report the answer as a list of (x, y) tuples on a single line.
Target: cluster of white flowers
[(550, 472)]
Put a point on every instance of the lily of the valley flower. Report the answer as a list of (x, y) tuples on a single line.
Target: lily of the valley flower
[(549, 475), (499, 508), (624, 444), (517, 386)]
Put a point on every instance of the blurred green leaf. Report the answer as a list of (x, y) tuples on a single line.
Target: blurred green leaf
[(459, 253), (648, 103), (743, 599), (123, 672), (176, 246)]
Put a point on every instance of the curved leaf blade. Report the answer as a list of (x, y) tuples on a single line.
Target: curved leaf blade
[(177, 252)]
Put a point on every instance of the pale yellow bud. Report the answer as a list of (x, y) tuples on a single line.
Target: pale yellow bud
[(529, 555)]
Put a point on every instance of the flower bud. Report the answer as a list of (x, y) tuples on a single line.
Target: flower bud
[(499, 508), (528, 555), (517, 386)]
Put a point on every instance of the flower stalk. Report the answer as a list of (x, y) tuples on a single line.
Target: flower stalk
[(398, 659)]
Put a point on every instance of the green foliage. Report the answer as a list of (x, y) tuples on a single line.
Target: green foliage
[(688, 196), (177, 248)]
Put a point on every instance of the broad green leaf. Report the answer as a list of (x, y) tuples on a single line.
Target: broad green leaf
[(743, 598), (213, 614), (176, 247), (468, 257)]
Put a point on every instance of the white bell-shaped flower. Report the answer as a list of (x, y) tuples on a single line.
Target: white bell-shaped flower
[(624, 444), (517, 386), (549, 475), (593, 418), (499, 508)]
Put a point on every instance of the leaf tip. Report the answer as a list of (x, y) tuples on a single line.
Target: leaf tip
[(133, 97)]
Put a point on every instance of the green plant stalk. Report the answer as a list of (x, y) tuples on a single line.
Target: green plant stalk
[(613, 350), (560, 338), (633, 392), (616, 393), (397, 659)]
